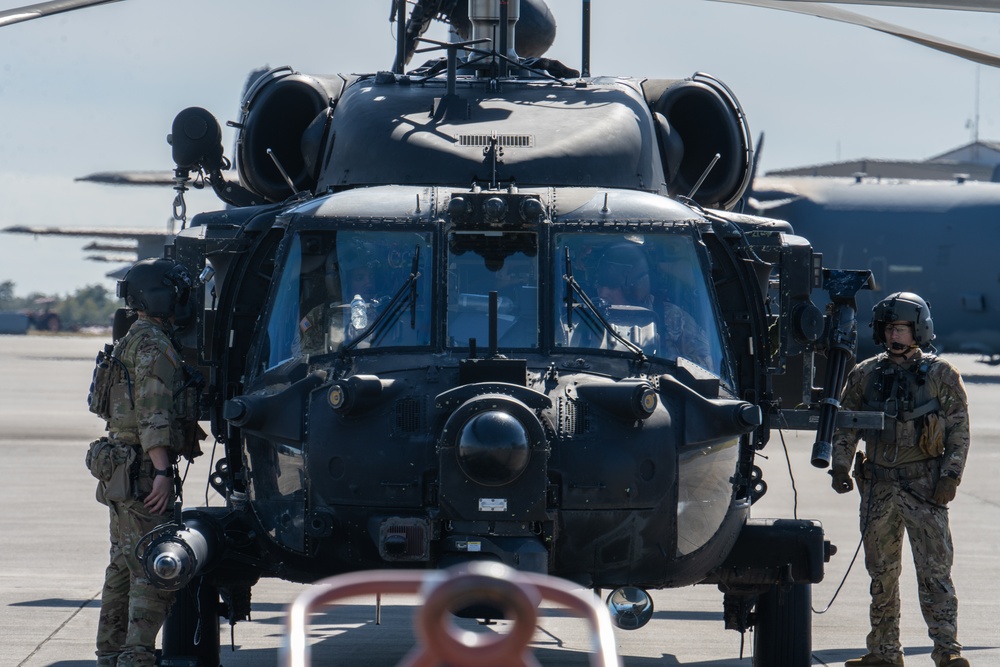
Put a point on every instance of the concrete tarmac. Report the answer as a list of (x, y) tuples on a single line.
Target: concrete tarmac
[(54, 547)]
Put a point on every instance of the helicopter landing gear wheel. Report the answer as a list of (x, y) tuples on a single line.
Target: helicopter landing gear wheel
[(191, 629), (784, 627)]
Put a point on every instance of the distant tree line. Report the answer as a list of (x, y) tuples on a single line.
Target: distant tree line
[(89, 306)]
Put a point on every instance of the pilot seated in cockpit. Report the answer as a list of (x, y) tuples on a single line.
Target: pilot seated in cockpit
[(624, 287), (326, 324)]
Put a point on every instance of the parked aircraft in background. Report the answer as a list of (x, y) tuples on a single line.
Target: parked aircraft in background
[(132, 243), (925, 227)]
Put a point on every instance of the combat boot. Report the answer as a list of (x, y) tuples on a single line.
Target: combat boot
[(872, 660), (951, 660)]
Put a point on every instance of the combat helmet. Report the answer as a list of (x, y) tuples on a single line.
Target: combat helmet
[(903, 307), (623, 266), (157, 287)]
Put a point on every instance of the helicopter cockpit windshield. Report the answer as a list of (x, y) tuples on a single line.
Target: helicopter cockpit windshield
[(483, 262), (636, 292), (350, 288)]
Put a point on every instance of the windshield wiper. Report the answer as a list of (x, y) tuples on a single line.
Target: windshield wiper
[(406, 294), (574, 288)]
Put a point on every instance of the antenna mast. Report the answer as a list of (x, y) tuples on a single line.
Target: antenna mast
[(975, 123), (399, 65)]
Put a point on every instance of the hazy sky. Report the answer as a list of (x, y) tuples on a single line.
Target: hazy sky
[(96, 90)]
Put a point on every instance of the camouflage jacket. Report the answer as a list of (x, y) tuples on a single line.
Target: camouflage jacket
[(936, 384), (143, 403)]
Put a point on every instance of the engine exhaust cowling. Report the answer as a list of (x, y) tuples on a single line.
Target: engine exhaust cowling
[(703, 118), (288, 113)]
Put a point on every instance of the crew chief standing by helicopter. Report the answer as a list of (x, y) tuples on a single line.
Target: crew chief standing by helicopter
[(908, 474), (149, 399)]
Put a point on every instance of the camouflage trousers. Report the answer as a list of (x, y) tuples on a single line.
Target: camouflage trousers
[(888, 507), (132, 609)]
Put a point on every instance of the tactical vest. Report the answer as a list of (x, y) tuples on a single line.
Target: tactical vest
[(903, 395), (122, 391), (183, 406), (113, 393)]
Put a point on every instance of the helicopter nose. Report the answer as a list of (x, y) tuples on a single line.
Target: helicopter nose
[(493, 448)]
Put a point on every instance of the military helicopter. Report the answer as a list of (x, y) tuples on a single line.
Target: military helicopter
[(441, 294), (493, 308)]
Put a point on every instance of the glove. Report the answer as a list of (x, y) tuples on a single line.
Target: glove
[(842, 482), (945, 490), (193, 435)]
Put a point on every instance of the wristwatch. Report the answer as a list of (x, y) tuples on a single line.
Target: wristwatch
[(167, 472)]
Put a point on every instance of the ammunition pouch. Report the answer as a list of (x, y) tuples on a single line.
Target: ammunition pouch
[(98, 459), (107, 369), (99, 398), (931, 440), (116, 467)]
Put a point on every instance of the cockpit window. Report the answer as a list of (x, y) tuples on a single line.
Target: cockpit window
[(484, 262), (350, 288), (650, 289)]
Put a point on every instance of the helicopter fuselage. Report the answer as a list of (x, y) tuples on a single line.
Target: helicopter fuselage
[(555, 447), (468, 319)]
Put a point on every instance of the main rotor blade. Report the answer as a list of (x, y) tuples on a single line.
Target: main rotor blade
[(29, 12), (962, 5), (160, 178), (817, 8)]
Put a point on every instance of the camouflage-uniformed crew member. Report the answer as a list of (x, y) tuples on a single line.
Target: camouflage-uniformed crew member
[(145, 393), (907, 475)]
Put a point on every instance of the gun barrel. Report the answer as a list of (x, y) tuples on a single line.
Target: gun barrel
[(843, 341)]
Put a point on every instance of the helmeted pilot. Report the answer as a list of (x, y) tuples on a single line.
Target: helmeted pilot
[(623, 277), (348, 274), (908, 473)]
